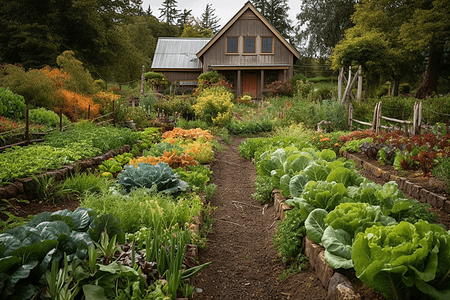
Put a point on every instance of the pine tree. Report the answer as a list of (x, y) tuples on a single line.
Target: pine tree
[(209, 20), (185, 18), (276, 12), (149, 11), (169, 12)]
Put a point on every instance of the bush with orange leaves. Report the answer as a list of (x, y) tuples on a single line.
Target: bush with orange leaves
[(57, 77), (172, 159), (187, 134), (70, 99)]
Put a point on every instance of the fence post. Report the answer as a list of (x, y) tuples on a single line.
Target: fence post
[(350, 115), (60, 119), (89, 112), (143, 80), (113, 117), (27, 126), (76, 114), (340, 77), (359, 92)]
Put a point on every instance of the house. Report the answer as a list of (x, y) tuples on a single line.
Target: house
[(248, 51), (175, 57)]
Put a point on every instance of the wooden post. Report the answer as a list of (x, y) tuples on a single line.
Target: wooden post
[(239, 84), (378, 118), (76, 114), (60, 119), (359, 92), (113, 117), (143, 80), (89, 112), (27, 126), (350, 115), (340, 77), (348, 89), (262, 84)]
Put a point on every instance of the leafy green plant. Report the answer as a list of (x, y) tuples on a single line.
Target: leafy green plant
[(404, 259), (46, 117), (264, 188), (250, 127), (442, 171), (11, 105), (354, 145), (107, 247), (147, 175)]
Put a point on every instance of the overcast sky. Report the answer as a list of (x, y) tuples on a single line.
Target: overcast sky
[(224, 9)]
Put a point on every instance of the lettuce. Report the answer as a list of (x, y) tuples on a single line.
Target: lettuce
[(401, 259)]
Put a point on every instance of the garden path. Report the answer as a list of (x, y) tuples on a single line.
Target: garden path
[(245, 264)]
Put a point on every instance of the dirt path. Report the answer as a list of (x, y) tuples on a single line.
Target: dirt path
[(244, 262)]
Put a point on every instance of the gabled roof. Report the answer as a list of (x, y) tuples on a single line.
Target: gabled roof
[(178, 53), (247, 6)]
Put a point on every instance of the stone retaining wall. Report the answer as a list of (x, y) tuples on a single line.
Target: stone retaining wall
[(25, 188), (414, 190), (338, 286)]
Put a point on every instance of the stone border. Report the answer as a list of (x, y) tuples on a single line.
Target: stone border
[(338, 286), (25, 188), (423, 195)]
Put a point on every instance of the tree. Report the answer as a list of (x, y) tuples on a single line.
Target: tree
[(149, 11), (276, 12), (169, 12), (185, 18), (209, 19), (195, 30), (322, 24)]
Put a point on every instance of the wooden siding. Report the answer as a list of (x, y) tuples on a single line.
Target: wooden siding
[(176, 76), (248, 25)]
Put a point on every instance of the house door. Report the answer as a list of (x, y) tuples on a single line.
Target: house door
[(250, 84)]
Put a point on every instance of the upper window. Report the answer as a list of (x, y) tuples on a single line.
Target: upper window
[(249, 45), (232, 45), (266, 44)]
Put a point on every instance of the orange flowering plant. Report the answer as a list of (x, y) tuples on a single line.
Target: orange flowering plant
[(172, 159)]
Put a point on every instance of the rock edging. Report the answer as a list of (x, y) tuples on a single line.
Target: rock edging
[(338, 286), (25, 188), (422, 194)]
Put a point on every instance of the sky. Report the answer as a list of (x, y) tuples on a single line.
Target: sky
[(224, 9)]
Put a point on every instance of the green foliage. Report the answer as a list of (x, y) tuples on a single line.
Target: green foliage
[(192, 124), (140, 208), (82, 183), (442, 171), (196, 177), (157, 80), (250, 127), (264, 188), (177, 104), (103, 138), (209, 78), (353, 145), (11, 105), (46, 117), (34, 85), (289, 236), (148, 175), (28, 250), (80, 80), (403, 259), (214, 105), (101, 84)]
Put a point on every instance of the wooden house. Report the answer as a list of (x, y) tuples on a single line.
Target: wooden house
[(249, 52)]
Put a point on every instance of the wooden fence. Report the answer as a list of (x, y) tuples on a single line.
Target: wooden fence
[(377, 117), (101, 120), (350, 84)]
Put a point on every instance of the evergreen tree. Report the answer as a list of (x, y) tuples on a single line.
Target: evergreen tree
[(149, 11), (169, 12), (184, 19), (209, 19), (322, 24), (276, 12)]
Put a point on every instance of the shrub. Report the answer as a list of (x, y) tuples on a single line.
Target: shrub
[(181, 105), (214, 105), (404, 88), (101, 84), (279, 88), (209, 78), (46, 117), (35, 86), (11, 105), (323, 93), (80, 80), (157, 80), (302, 88), (70, 99)]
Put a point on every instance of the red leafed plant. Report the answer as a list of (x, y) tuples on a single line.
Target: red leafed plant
[(425, 160)]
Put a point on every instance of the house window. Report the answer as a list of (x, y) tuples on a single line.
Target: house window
[(249, 45), (232, 45), (271, 77), (266, 44)]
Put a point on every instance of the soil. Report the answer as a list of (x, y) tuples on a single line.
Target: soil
[(245, 264)]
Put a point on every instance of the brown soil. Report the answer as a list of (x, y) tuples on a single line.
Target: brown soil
[(245, 264)]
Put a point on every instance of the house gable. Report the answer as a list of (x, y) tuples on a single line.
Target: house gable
[(248, 12)]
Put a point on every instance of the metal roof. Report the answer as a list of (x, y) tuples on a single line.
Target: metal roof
[(178, 53)]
